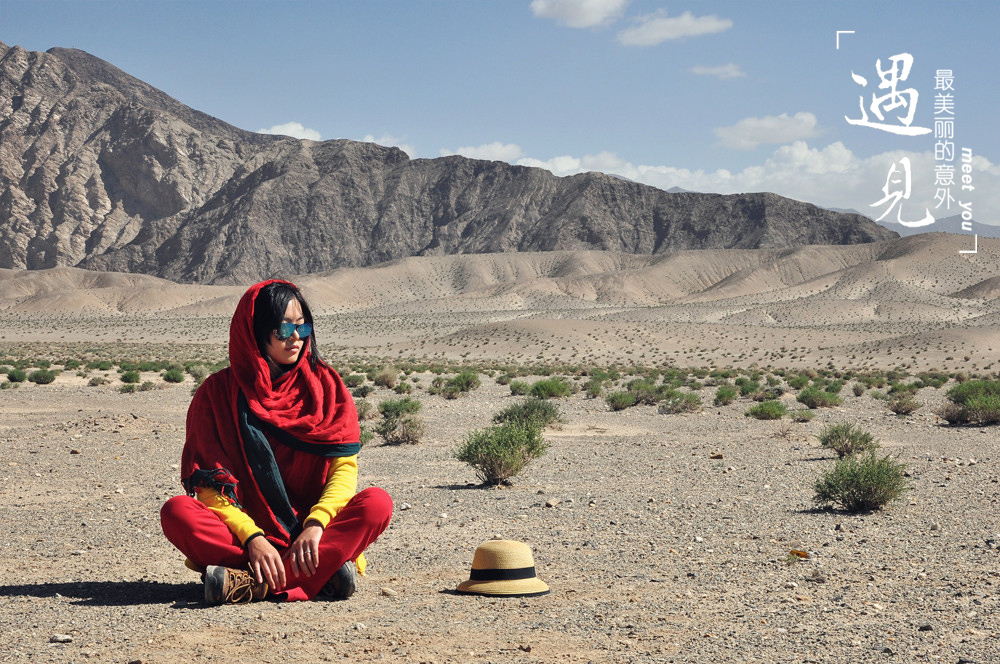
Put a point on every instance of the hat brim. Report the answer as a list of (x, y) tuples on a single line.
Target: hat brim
[(516, 588)]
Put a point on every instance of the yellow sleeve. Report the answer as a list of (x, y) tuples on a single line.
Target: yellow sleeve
[(341, 485), (238, 521)]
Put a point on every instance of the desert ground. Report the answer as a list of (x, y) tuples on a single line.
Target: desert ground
[(664, 537)]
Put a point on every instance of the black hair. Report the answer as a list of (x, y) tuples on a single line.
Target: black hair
[(269, 311)]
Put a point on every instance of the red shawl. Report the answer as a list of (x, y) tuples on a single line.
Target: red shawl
[(307, 414)]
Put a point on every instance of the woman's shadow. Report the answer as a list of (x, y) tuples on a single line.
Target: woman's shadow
[(112, 593)]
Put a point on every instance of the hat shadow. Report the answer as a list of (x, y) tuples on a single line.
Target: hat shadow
[(111, 593)]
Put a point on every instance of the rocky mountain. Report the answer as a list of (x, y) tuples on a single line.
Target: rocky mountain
[(102, 171)]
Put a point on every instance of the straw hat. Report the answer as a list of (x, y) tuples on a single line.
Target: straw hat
[(503, 568)]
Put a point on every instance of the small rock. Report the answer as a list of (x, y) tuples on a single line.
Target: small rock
[(925, 627), (888, 651), (524, 648), (935, 526), (359, 626), (552, 502), (791, 584), (389, 592), (717, 455), (443, 515), (839, 527), (60, 638), (404, 507), (74, 451)]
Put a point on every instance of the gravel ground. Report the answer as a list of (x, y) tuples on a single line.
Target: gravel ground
[(656, 548)]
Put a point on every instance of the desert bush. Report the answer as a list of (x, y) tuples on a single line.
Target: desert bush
[(103, 365), (533, 411), (97, 380), (817, 398), (504, 379), (366, 435), (130, 377), (767, 410), (593, 388), (804, 415), (69, 365), (403, 388), (362, 391), (6, 385), (768, 394), (620, 400), (17, 375), (128, 388), (798, 381), (354, 380), (173, 376), (386, 377), (366, 409), (400, 424), (680, 402), (858, 389), (725, 395), (41, 377), (880, 395), (501, 452), (519, 387), (860, 483), (197, 371), (549, 388), (952, 413), (904, 405), (466, 381), (846, 439), (933, 379), (978, 402), (147, 386)]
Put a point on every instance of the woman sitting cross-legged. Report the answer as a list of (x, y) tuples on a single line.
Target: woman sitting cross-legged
[(270, 465)]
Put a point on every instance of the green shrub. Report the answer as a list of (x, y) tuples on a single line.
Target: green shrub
[(534, 411), (685, 402), (354, 380), (17, 375), (97, 380), (403, 388), (173, 376), (593, 388), (749, 387), (198, 371), (130, 377), (725, 395), (400, 424), (768, 394), (767, 410), (798, 381), (549, 388), (147, 386), (862, 483), (466, 381), (366, 409), (816, 398), (42, 377), (103, 365), (977, 401), (904, 405), (69, 365), (504, 379), (128, 388), (501, 452), (362, 391), (386, 377), (519, 387), (846, 439), (366, 435), (620, 400), (804, 415), (858, 389)]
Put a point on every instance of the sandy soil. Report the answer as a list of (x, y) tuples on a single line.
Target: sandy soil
[(655, 551)]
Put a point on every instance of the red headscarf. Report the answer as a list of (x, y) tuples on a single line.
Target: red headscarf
[(309, 405)]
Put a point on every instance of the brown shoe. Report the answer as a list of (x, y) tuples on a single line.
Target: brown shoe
[(224, 585)]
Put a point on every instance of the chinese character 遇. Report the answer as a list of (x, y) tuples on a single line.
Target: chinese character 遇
[(897, 196), (899, 71)]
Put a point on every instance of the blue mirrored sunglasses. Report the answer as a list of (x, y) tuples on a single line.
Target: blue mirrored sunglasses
[(285, 330)]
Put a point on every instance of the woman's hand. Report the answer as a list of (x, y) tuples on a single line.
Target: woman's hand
[(266, 563), (304, 552)]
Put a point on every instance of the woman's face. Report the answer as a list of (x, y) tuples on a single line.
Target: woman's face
[(287, 351)]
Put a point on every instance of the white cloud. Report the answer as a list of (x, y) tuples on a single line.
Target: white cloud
[(293, 129), (390, 141), (579, 13), (495, 151), (832, 176), (748, 133), (657, 28), (724, 71)]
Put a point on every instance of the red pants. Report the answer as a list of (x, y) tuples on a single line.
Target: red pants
[(206, 540)]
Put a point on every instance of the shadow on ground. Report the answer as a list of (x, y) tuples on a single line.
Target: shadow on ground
[(111, 593)]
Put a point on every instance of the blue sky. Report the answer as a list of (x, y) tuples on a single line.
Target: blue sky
[(709, 96)]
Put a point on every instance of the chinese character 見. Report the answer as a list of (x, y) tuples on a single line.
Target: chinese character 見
[(897, 177)]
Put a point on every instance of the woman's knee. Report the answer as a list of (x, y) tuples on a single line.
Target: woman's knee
[(176, 510), (377, 505)]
